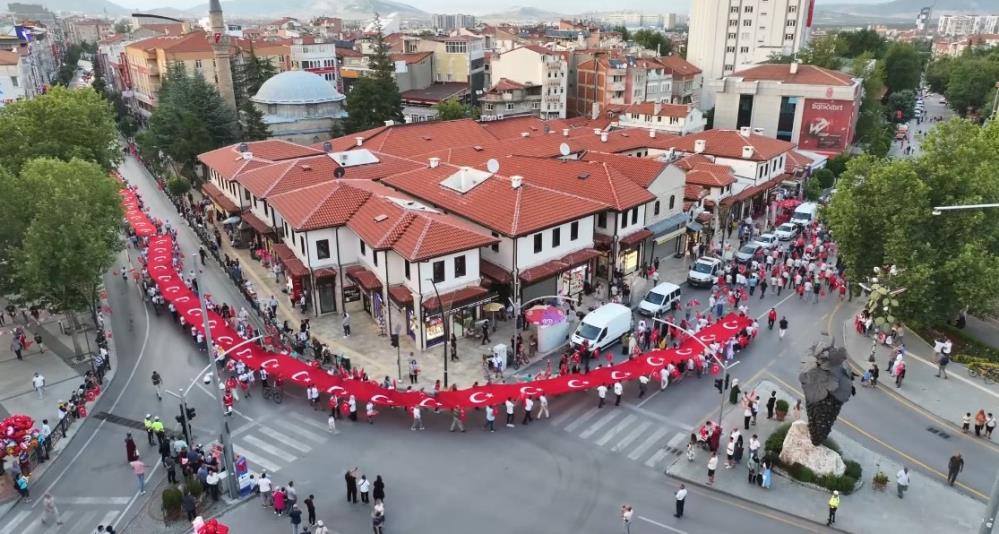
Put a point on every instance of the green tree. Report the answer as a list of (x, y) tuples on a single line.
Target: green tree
[(653, 40), (855, 43), (900, 101), (61, 124), (452, 109), (837, 163), (872, 134), (813, 190), (972, 84), (938, 74), (121, 27), (71, 238), (375, 98), (824, 177), (249, 75), (625, 34), (251, 124), (68, 67), (881, 216), (178, 186), (191, 118), (821, 53), (903, 67)]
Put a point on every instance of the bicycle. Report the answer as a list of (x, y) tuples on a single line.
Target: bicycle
[(989, 373), (274, 393)]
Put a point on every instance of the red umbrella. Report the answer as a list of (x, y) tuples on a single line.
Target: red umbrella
[(544, 315)]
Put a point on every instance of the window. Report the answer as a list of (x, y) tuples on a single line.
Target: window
[(792, 9), (438, 272), (364, 249), (672, 201), (197, 63), (748, 9), (733, 22), (323, 249), (785, 118), (744, 50), (745, 112), (455, 47), (602, 220), (731, 36), (730, 49), (246, 194), (459, 266), (792, 23), (556, 237), (747, 22), (788, 36), (634, 215), (537, 243), (574, 231), (733, 9), (301, 243), (655, 208), (374, 257), (494, 246), (489, 107), (406, 268), (509, 106), (13, 81)]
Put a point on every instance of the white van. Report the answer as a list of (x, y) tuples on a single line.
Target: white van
[(805, 213), (659, 299), (603, 326)]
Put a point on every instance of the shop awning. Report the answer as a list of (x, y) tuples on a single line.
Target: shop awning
[(327, 272), (218, 197), (364, 278), (668, 224), (635, 238), (260, 226), (292, 265), (752, 191), (401, 295), (579, 257), (456, 298), (694, 226), (551, 268), (602, 241), (494, 272)]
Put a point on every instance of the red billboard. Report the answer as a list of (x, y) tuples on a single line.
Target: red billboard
[(827, 125)]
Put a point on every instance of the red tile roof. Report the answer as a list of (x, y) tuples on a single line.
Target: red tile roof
[(324, 205), (411, 58), (729, 143), (260, 226), (665, 110), (512, 128), (636, 237), (678, 65), (288, 175), (8, 57), (806, 75), (229, 162), (551, 268), (593, 180), (693, 192), (219, 197), (642, 171), (506, 85), (796, 161), (710, 175), (456, 298), (408, 140), (292, 264), (495, 272), (400, 294)]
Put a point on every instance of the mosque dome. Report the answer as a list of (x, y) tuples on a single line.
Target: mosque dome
[(297, 87)]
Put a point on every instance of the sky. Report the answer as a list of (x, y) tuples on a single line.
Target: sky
[(480, 8)]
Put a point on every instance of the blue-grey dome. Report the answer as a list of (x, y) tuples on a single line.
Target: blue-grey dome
[(296, 87)]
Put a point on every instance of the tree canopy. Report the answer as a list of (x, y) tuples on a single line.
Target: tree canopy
[(62, 124), (821, 53), (374, 98), (872, 133), (191, 118), (653, 40), (881, 215), (854, 43), (900, 101), (452, 108), (968, 81), (903, 67)]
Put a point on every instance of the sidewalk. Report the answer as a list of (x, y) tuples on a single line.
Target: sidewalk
[(929, 506), (947, 399), (984, 330)]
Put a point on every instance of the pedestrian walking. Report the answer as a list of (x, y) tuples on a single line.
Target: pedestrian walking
[(990, 425), (833, 506), (618, 391), (16, 347), (171, 468), (457, 419), (50, 513), (189, 505), (156, 385), (379, 489), (364, 486), (417, 419), (643, 382), (346, 324), (310, 507), (681, 499), (747, 413), (712, 466), (264, 486), (627, 514), (377, 521), (528, 408), (279, 501), (509, 412), (601, 394), (782, 328), (38, 382), (139, 469), (490, 419), (980, 420), (543, 410), (902, 481), (351, 478), (954, 466), (966, 422), (331, 424), (942, 361), (730, 453), (320, 528)]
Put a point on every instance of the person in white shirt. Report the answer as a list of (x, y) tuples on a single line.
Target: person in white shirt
[(528, 408), (902, 481), (754, 445), (543, 410), (664, 377), (681, 496), (417, 419), (643, 382), (364, 487), (264, 485), (38, 382), (509, 412), (331, 423), (491, 418), (618, 391), (627, 513), (712, 466), (602, 394)]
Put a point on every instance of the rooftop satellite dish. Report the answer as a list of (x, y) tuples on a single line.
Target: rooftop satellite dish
[(492, 166), (339, 172), (564, 149)]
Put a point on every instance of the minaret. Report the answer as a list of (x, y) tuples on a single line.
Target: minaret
[(220, 49)]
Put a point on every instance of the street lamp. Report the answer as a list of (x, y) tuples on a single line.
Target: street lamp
[(444, 321), (937, 210), (722, 364)]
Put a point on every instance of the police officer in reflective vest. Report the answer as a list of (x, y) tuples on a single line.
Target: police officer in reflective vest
[(148, 423)]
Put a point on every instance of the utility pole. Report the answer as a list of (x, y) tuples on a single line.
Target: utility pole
[(444, 320)]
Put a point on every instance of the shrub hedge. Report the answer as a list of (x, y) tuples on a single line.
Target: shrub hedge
[(845, 484)]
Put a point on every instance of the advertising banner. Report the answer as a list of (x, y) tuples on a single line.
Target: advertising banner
[(826, 125)]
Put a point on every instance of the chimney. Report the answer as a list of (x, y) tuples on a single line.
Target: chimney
[(525, 134), (700, 145), (434, 162), (327, 147), (516, 181), (595, 111), (652, 133), (390, 123), (747, 152), (359, 141), (794, 67), (603, 137), (745, 131), (565, 132)]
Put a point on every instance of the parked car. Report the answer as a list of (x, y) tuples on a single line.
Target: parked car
[(787, 231), (748, 252), (704, 272), (769, 241)]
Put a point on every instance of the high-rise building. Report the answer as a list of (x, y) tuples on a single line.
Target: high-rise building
[(954, 25), (448, 22), (729, 35)]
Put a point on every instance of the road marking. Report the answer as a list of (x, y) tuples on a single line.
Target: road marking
[(92, 500), (267, 447), (12, 526), (564, 416), (616, 430), (632, 436), (311, 422), (755, 510), (87, 520), (656, 458), (216, 399), (877, 440), (656, 436), (109, 518), (674, 442), (290, 427), (647, 399), (578, 422), (789, 295), (283, 438), (266, 464), (661, 525), (600, 423)]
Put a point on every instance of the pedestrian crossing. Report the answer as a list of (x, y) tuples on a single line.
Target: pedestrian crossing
[(80, 515), (270, 447), (624, 431)]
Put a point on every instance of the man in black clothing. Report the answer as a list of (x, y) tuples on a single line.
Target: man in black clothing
[(954, 466), (310, 507), (351, 478), (771, 402)]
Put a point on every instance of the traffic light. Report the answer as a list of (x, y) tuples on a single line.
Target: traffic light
[(180, 419), (395, 340), (190, 413), (718, 385)]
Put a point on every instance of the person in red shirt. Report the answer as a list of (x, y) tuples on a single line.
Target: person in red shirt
[(227, 402), (771, 318)]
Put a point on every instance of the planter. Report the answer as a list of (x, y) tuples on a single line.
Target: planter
[(780, 414), (780, 409), (879, 482)]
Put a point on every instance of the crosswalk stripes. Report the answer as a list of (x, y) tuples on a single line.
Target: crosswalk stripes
[(278, 436), (269, 448), (648, 443), (602, 422), (255, 459), (621, 425), (582, 419), (74, 521), (632, 436), (565, 415)]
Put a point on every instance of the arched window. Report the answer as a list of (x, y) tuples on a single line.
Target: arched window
[(672, 201), (655, 209)]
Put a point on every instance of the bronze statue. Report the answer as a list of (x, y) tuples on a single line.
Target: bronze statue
[(827, 385)]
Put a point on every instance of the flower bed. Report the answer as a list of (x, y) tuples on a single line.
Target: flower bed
[(845, 484)]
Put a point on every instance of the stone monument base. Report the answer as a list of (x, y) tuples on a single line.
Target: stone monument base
[(798, 449)]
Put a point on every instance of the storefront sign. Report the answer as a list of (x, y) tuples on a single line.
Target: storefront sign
[(826, 125), (351, 294), (628, 261), (433, 329), (570, 282)]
